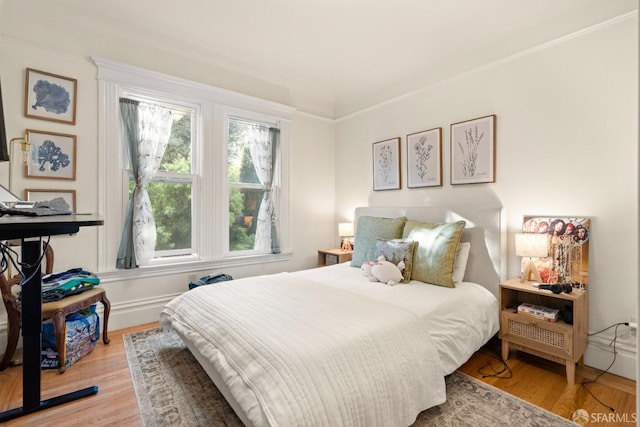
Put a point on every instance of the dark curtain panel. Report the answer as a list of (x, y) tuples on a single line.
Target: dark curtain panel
[(4, 153), (129, 112), (274, 136)]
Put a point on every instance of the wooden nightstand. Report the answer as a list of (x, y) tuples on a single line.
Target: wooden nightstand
[(557, 341), (333, 256)]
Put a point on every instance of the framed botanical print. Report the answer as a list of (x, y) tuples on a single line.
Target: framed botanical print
[(424, 158), (473, 151), (50, 97), (386, 164), (54, 156)]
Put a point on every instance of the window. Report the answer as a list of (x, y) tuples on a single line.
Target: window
[(170, 190), (219, 196), (253, 184)]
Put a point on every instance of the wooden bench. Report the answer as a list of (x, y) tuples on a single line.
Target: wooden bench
[(55, 310)]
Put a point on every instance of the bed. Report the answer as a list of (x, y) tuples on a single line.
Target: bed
[(326, 346)]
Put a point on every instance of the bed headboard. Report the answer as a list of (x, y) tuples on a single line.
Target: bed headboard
[(484, 230)]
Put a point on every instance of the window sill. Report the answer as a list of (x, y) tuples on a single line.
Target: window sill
[(189, 266)]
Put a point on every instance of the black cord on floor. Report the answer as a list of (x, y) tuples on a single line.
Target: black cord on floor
[(615, 353), (497, 373), (505, 368)]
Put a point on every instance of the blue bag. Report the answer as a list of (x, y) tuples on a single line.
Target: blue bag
[(82, 333), (209, 279)]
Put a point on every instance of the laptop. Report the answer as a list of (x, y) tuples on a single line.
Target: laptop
[(10, 204)]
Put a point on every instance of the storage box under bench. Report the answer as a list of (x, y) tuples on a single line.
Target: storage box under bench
[(82, 334)]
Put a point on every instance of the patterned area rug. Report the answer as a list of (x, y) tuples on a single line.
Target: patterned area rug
[(173, 390)]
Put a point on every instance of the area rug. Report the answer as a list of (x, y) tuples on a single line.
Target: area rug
[(173, 390)]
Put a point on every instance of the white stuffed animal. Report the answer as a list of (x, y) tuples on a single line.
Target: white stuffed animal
[(385, 271), (366, 268)]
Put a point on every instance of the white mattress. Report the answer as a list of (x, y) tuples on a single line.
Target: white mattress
[(455, 321), (460, 320)]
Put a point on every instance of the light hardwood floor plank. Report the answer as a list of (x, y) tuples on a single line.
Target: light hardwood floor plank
[(543, 383), (535, 380)]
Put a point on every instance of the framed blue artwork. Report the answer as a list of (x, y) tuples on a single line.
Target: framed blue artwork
[(50, 97), (52, 155)]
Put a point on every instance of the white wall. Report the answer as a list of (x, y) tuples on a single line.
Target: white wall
[(138, 300), (567, 144)]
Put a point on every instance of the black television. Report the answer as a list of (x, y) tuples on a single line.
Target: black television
[(4, 154)]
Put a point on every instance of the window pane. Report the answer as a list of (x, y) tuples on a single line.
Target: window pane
[(171, 204), (240, 168), (244, 204), (177, 156)]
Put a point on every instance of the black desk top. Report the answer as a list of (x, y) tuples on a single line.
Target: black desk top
[(16, 226)]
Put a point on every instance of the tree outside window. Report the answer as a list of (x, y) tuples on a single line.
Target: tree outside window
[(170, 191), (245, 190)]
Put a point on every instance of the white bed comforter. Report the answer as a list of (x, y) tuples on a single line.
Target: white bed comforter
[(460, 320), (313, 355)]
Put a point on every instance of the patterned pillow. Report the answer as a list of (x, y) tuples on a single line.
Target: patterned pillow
[(396, 250), (436, 253), (368, 229)]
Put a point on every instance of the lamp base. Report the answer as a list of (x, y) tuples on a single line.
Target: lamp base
[(530, 270), (346, 245)]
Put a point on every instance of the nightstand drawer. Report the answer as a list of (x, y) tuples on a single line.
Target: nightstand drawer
[(333, 256), (555, 338), (331, 259)]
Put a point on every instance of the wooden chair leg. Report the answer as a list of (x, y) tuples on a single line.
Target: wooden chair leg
[(107, 309), (59, 328), (13, 334)]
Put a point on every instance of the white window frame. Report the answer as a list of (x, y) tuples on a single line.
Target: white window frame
[(172, 256), (210, 190), (231, 114)]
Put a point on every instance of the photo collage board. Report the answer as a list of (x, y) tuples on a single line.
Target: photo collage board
[(568, 260)]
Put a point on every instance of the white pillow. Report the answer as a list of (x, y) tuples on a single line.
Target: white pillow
[(460, 266)]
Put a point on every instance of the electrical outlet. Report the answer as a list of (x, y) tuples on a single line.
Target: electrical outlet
[(633, 323)]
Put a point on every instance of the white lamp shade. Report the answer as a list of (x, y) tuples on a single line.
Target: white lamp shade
[(532, 245), (345, 229)]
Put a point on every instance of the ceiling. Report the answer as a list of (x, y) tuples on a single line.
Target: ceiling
[(333, 57)]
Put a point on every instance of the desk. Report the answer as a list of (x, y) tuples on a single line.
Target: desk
[(30, 230)]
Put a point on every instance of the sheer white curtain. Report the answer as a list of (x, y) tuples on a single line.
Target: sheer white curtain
[(147, 129), (263, 146)]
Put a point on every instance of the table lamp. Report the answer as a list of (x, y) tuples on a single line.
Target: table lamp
[(532, 246), (345, 230)]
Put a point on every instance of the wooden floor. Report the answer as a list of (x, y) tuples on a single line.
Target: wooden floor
[(534, 380), (544, 384)]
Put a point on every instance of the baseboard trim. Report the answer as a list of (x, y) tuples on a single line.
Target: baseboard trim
[(138, 312), (600, 355)]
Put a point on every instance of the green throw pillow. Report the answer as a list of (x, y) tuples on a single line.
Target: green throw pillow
[(368, 229), (396, 250), (436, 253)]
